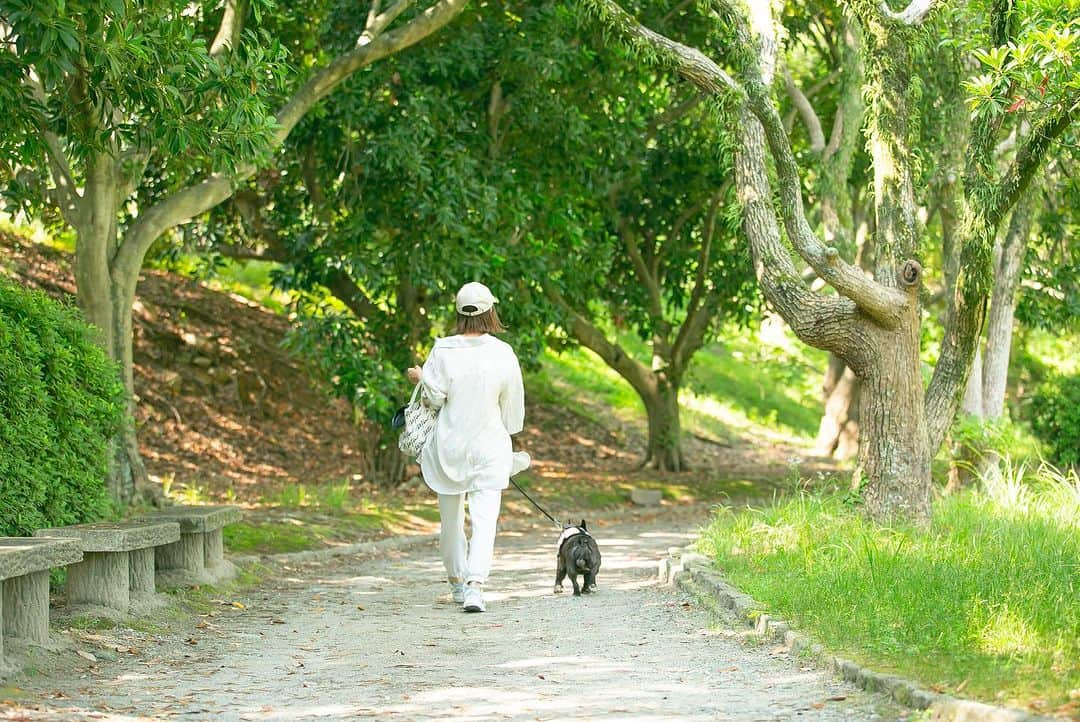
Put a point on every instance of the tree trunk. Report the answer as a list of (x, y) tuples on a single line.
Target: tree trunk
[(999, 329), (106, 295), (972, 401), (838, 431), (665, 431), (894, 455)]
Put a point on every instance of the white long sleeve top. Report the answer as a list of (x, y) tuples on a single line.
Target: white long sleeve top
[(476, 383)]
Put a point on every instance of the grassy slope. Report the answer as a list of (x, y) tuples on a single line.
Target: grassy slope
[(749, 382)]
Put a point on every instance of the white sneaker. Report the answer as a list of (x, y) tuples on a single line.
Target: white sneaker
[(474, 598), (457, 591)]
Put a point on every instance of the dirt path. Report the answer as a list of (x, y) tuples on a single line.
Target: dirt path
[(379, 639)]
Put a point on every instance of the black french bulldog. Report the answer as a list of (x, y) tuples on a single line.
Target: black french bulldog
[(578, 554)]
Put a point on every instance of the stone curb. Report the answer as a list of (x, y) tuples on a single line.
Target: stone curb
[(361, 549), (693, 572)]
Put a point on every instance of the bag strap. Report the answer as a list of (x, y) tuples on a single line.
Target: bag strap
[(415, 391)]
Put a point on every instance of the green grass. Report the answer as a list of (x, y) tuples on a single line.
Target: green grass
[(294, 534), (762, 382), (91, 623), (987, 599), (301, 517), (745, 382)]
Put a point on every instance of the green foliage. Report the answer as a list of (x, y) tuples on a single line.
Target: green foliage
[(1034, 70), (60, 407), (1050, 295), (985, 596), (170, 103), (974, 437), (512, 151), (1055, 418)]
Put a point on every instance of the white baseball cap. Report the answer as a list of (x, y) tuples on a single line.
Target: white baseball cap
[(474, 299)]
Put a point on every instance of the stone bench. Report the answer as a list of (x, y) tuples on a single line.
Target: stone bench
[(117, 570), (199, 556), (24, 575)]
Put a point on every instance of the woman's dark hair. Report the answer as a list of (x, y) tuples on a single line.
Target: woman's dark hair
[(486, 322)]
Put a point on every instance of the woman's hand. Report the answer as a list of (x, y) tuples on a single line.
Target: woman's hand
[(414, 374)]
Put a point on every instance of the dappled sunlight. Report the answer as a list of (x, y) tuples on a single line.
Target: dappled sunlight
[(358, 581), (371, 637), (728, 417), (1007, 633)]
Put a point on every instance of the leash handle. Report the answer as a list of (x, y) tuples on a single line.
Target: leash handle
[(549, 516)]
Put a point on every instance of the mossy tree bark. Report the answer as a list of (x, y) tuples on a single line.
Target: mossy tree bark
[(873, 325)]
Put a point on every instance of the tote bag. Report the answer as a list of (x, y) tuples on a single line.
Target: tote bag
[(419, 424)]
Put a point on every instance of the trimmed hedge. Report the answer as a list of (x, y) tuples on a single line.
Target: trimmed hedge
[(61, 405), (1055, 418)]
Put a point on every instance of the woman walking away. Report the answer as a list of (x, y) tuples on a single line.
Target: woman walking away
[(475, 379)]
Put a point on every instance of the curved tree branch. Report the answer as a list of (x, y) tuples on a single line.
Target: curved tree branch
[(884, 304), (825, 322), (232, 25), (807, 113), (592, 338), (189, 202), (913, 14)]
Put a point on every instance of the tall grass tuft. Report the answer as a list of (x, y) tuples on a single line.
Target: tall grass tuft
[(987, 599)]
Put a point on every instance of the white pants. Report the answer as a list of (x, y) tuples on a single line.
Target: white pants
[(468, 561)]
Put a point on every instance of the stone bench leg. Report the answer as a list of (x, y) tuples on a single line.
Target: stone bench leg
[(101, 578), (25, 607), (141, 575), (219, 569), (186, 555), (214, 548)]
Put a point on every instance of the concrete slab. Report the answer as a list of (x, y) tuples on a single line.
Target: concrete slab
[(124, 536), (25, 555), (197, 519)]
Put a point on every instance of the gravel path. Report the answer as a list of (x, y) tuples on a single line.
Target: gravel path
[(379, 638)]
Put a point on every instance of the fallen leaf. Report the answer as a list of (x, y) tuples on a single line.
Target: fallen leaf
[(86, 655), (837, 698), (277, 621), (963, 684)]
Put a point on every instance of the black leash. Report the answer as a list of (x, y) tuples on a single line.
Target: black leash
[(542, 511)]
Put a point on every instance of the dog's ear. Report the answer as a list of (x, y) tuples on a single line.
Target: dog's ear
[(582, 525)]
